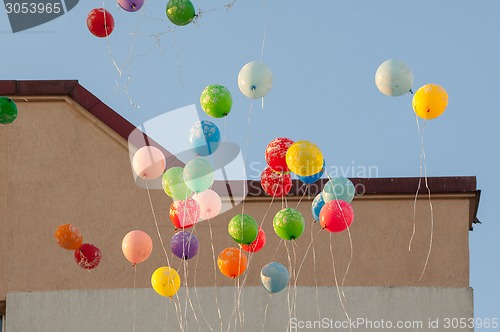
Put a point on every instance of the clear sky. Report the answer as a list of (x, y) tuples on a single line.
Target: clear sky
[(323, 55)]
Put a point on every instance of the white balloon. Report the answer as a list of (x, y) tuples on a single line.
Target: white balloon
[(394, 78), (209, 202), (255, 80)]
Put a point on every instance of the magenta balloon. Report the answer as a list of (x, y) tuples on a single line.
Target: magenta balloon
[(184, 245), (210, 204), (131, 5), (137, 246)]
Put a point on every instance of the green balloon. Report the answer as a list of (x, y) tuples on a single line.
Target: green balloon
[(173, 184), (198, 175), (8, 110), (289, 224), (180, 12), (216, 101), (243, 229)]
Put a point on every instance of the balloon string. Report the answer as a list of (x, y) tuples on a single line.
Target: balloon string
[(420, 137), (264, 21), (178, 312), (197, 295), (307, 251), (305, 191), (288, 289), (135, 299), (294, 302), (265, 313), (215, 274), (337, 284), (314, 273), (129, 60), (430, 206)]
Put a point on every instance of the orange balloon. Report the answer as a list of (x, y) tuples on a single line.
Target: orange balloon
[(68, 237), (232, 262)]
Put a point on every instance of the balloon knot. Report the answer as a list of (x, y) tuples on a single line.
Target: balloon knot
[(253, 87), (133, 264)]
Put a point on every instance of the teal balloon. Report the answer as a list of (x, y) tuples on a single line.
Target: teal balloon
[(243, 229), (289, 224), (274, 277), (8, 110), (317, 205), (198, 175), (339, 188), (173, 184)]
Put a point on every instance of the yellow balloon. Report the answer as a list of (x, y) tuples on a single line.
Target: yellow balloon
[(304, 158), (430, 101), (166, 281)]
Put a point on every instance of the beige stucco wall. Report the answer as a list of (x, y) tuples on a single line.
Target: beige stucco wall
[(58, 165)]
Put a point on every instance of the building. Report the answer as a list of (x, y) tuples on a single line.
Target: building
[(66, 160)]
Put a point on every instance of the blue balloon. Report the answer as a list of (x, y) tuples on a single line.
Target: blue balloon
[(317, 205), (204, 138), (339, 188), (312, 178), (274, 277)]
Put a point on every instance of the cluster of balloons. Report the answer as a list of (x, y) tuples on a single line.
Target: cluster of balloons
[(395, 78), (86, 255), (101, 23), (8, 110)]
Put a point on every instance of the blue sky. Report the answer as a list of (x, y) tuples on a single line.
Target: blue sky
[(323, 56)]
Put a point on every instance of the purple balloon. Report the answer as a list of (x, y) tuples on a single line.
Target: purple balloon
[(184, 245), (131, 5)]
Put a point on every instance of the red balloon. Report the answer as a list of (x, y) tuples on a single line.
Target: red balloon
[(100, 22), (336, 216), (88, 256), (276, 153), (257, 244), (184, 214), (275, 184)]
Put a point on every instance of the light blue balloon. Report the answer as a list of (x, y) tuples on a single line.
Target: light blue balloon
[(312, 178), (274, 277), (339, 188), (317, 205), (198, 175), (394, 78), (204, 138)]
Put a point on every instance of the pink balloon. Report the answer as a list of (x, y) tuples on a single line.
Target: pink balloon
[(336, 216), (137, 246), (210, 204), (149, 162)]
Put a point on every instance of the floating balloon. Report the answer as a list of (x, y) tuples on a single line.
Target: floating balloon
[(8, 110), (339, 188), (204, 137), (257, 244), (68, 237), (317, 205), (184, 245), (394, 78), (275, 184), (216, 101), (210, 204), (232, 262), (274, 277), (304, 158), (88, 256), (255, 80), (336, 216), (198, 175), (166, 281), (430, 101), (312, 178), (148, 162), (243, 229), (100, 22), (173, 184), (180, 12), (137, 246), (184, 214), (289, 224), (276, 153), (131, 5)]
